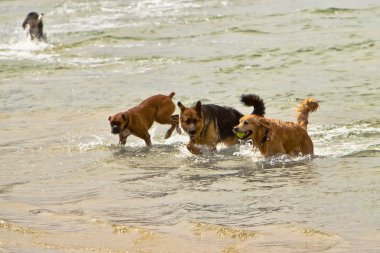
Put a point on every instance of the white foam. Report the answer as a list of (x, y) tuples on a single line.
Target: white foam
[(176, 139), (184, 152), (91, 144), (25, 45), (329, 141), (97, 16), (159, 8), (22, 48), (341, 140)]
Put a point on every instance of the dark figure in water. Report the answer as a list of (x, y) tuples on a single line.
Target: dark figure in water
[(34, 26)]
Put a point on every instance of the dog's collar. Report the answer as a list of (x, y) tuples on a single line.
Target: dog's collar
[(265, 137)]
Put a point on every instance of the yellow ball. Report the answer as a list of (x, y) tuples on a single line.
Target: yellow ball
[(239, 134)]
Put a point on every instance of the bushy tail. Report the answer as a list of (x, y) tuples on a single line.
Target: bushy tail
[(171, 95), (255, 101), (303, 110)]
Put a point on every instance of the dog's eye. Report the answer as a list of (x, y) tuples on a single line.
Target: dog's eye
[(245, 123)]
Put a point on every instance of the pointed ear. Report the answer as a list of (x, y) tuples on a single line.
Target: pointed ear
[(198, 107), (109, 118), (181, 106)]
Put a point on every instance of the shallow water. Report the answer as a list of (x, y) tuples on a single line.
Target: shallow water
[(66, 187)]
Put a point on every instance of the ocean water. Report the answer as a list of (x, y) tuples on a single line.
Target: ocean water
[(65, 186)]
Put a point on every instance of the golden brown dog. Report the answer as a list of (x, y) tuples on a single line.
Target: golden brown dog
[(139, 119), (274, 137), (208, 125)]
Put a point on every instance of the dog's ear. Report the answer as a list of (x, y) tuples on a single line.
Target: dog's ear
[(181, 106), (125, 118), (198, 108), (109, 118), (264, 123)]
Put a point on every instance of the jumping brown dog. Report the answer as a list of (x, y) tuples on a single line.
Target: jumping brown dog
[(208, 125), (139, 119), (275, 137)]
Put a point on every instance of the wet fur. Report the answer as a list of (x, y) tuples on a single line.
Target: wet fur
[(33, 22), (208, 125), (275, 137), (139, 119)]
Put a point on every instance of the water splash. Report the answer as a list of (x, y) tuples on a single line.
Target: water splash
[(346, 139), (25, 46), (22, 48)]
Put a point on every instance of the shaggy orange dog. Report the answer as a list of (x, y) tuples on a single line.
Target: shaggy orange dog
[(275, 137)]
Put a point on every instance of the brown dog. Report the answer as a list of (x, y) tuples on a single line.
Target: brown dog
[(274, 137), (139, 119), (208, 125)]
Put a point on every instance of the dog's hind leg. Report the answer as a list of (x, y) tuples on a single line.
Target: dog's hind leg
[(147, 139), (307, 148), (169, 132), (164, 116), (175, 120), (175, 125)]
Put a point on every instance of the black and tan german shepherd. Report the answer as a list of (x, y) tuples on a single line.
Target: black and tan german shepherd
[(208, 125)]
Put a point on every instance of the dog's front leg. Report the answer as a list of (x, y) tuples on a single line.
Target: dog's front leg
[(123, 137), (194, 149), (122, 140), (272, 150)]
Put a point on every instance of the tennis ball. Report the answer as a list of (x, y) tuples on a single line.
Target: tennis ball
[(240, 134)]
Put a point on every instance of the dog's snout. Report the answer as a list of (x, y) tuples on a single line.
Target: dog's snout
[(192, 130), (114, 129), (235, 129)]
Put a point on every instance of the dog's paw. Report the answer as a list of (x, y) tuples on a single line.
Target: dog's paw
[(194, 149)]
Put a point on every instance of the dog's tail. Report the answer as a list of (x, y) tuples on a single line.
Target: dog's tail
[(255, 101), (307, 106), (171, 95)]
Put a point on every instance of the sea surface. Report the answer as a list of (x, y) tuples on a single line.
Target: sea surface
[(65, 185)]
